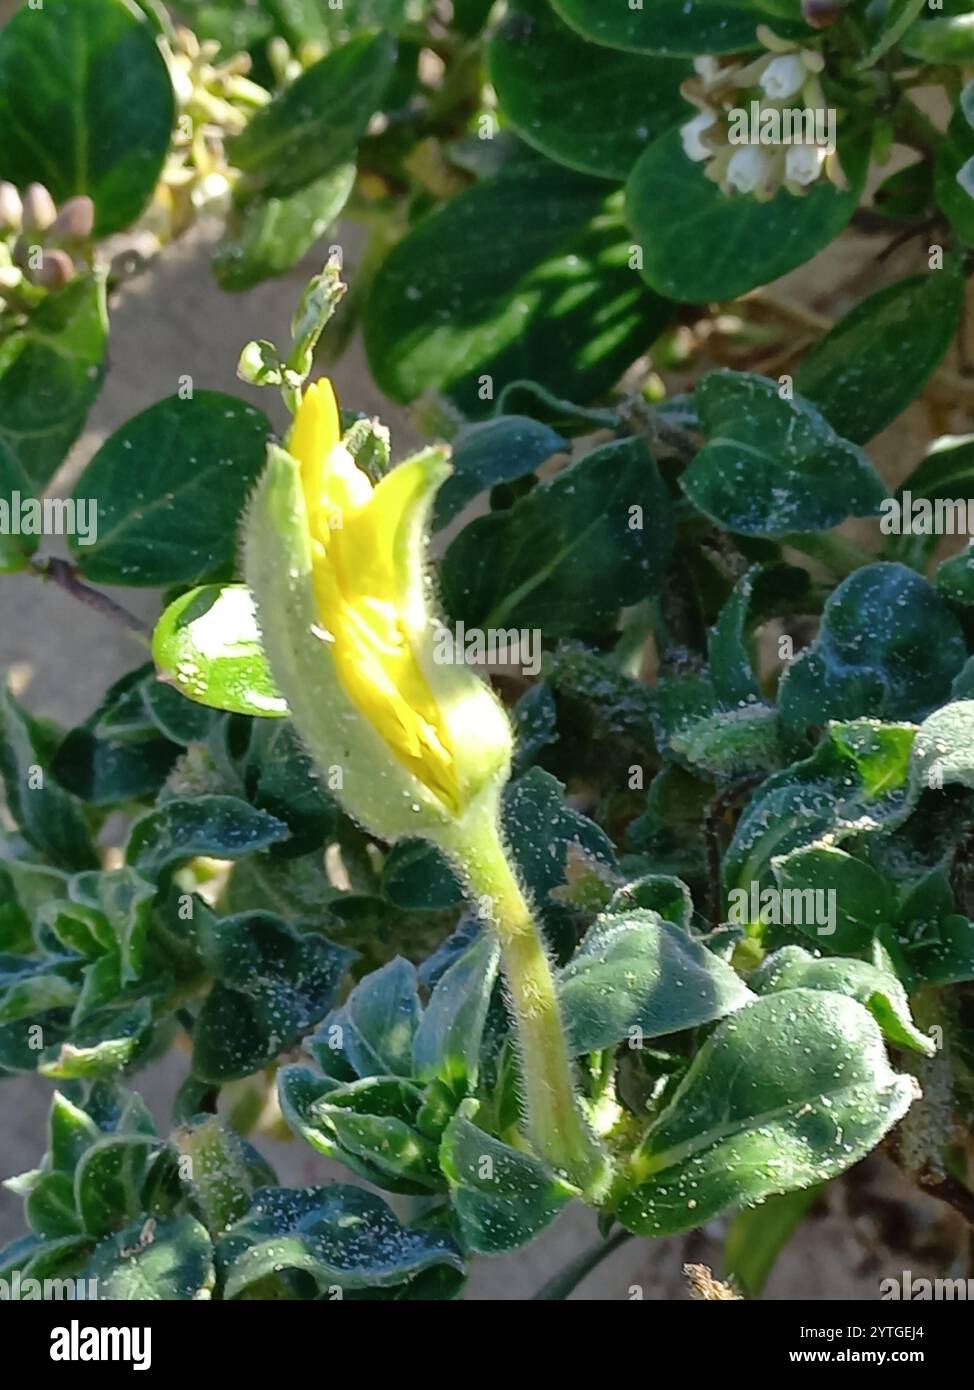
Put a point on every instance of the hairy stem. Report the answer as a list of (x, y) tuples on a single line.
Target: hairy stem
[(554, 1118)]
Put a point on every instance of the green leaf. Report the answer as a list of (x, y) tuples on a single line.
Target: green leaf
[(370, 1125), (699, 244), (763, 592), (268, 238), (856, 781), (170, 487), (888, 647), (313, 126), (461, 306), (343, 1237), (868, 368), (571, 553), (752, 1119), (856, 898), (542, 829), (665, 26), (273, 984), (208, 644), (447, 1043), (590, 108), (898, 17), (172, 1261), (219, 827), (108, 1041), (46, 816), (755, 1238), (947, 39), (50, 1210), (50, 373), (502, 1197), (380, 1019), (879, 992), (932, 500), (416, 876), (955, 578), (86, 105), (494, 451), (108, 1182), (943, 752), (952, 168), (731, 743), (636, 976), (773, 466)]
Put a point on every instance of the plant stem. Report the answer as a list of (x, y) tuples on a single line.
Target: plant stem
[(554, 1119), (568, 1279), (65, 576), (840, 554)]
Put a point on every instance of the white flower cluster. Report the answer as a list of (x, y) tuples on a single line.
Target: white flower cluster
[(762, 124)]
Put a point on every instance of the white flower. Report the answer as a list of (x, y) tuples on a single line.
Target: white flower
[(212, 194), (693, 146), (707, 67), (784, 76), (748, 169), (803, 163)]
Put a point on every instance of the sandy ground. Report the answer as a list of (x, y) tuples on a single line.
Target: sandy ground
[(60, 657)]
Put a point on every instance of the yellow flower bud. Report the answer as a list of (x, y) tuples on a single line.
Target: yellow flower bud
[(338, 571)]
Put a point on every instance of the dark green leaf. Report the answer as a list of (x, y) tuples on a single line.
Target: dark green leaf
[(571, 553), (46, 816), (343, 1237), (699, 244), (752, 1118), (86, 105), (774, 465), (888, 647), (495, 451), (868, 368), (463, 307), (636, 976), (881, 993), (171, 1261), (313, 126), (170, 487), (220, 827), (593, 109), (50, 372), (267, 238), (665, 26), (502, 1196)]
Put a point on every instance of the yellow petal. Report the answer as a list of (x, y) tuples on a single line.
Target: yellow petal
[(315, 433)]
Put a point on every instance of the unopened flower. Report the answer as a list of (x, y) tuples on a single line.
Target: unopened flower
[(691, 134), (337, 566), (749, 169), (804, 163), (784, 76)]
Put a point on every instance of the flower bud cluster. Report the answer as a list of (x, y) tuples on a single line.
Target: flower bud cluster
[(42, 246), (213, 102), (763, 124)]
